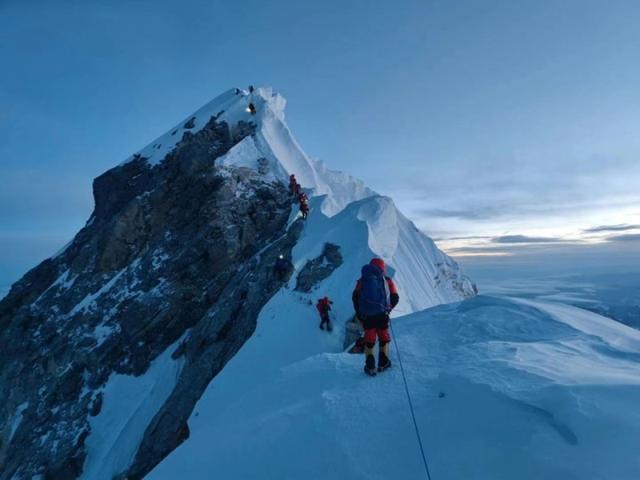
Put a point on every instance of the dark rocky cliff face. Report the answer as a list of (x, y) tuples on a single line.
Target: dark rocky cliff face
[(319, 268), (182, 248)]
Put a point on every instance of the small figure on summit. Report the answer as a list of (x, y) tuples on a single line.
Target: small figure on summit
[(251, 109), (324, 307), (374, 296), (282, 267)]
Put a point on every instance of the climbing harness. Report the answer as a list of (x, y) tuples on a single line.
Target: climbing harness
[(413, 415)]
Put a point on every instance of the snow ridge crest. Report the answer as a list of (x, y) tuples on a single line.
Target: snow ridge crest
[(274, 153)]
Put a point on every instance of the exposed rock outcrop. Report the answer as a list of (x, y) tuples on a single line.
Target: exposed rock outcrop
[(179, 249), (319, 268), (106, 347), (447, 274)]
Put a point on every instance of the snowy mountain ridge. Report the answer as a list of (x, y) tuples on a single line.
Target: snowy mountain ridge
[(389, 232), (273, 140), (502, 389)]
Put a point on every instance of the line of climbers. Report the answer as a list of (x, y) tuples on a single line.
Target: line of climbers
[(299, 196), (283, 268), (374, 297)]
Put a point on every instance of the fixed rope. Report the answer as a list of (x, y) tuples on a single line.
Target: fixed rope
[(413, 415)]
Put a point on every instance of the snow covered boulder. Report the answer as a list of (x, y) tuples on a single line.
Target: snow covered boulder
[(319, 268)]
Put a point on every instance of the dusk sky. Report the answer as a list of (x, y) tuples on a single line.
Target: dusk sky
[(509, 131)]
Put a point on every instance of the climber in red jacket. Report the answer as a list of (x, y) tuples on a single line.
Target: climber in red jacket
[(324, 307), (296, 191), (374, 296)]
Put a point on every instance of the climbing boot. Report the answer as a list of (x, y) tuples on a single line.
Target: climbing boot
[(383, 358), (370, 365)]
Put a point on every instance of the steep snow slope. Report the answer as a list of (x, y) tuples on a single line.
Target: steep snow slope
[(344, 212), (501, 390), (432, 276), (132, 403)]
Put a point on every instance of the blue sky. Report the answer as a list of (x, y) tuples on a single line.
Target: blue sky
[(507, 130)]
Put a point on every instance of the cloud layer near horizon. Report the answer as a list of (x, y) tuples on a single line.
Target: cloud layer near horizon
[(483, 121)]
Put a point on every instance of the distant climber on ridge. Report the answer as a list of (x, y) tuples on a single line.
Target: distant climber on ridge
[(282, 267), (292, 184), (251, 109), (304, 210), (324, 307), (302, 197), (374, 296), (355, 331)]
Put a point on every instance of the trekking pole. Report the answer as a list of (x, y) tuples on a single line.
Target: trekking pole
[(413, 415)]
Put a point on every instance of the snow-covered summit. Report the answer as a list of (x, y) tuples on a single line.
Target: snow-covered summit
[(272, 141), (173, 276)]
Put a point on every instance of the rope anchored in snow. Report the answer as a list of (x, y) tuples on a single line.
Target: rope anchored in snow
[(413, 415)]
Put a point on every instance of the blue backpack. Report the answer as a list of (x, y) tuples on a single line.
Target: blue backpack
[(374, 292)]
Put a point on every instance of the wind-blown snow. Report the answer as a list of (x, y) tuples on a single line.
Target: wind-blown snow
[(129, 404), (17, 418), (613, 333), (488, 404)]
